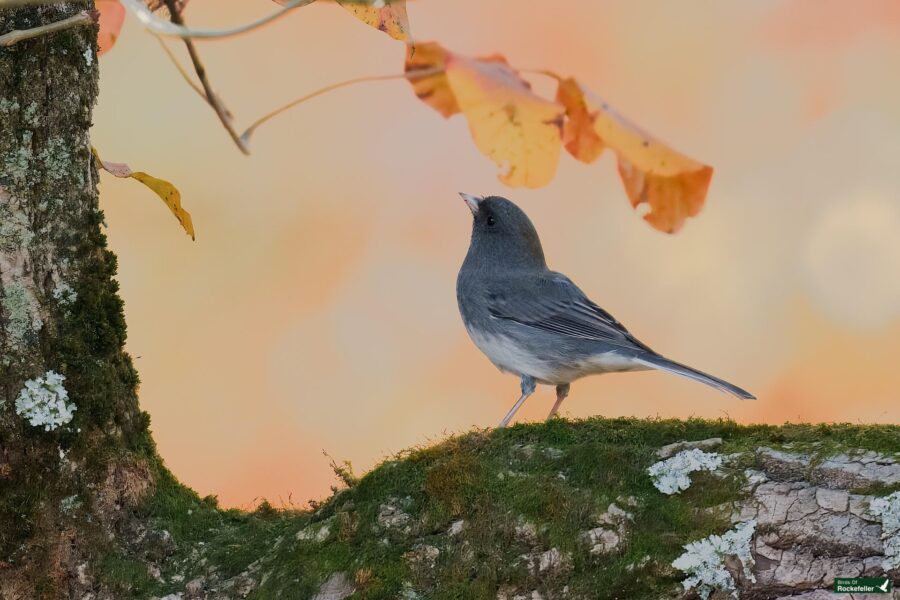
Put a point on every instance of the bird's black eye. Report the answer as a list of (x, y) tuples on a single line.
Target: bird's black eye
[(490, 221)]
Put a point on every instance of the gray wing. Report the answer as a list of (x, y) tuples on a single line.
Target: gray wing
[(551, 302)]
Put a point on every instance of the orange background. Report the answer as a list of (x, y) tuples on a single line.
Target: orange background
[(317, 308)]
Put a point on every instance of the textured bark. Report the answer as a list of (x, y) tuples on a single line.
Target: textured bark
[(811, 526), (59, 311)]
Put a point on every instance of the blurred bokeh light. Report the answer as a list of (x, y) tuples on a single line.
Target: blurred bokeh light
[(317, 308)]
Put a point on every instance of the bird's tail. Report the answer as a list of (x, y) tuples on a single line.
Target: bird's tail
[(664, 364)]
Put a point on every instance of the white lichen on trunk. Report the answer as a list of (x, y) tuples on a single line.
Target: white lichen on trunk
[(44, 402)]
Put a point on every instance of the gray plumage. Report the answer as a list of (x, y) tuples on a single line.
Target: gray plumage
[(536, 323)]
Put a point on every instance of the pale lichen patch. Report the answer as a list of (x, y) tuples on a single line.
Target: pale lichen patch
[(43, 402), (30, 113), (704, 561), (16, 164), (14, 229), (671, 476), (888, 508), (20, 309), (7, 106), (64, 294), (69, 504), (56, 159)]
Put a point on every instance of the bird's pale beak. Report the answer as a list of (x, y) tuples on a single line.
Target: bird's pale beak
[(472, 201)]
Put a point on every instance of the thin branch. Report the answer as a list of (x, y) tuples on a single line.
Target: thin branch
[(17, 35), (162, 27), (181, 70), (184, 74), (17, 3), (200, 70), (245, 137)]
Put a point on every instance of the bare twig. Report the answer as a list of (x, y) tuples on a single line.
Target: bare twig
[(162, 27), (17, 3), (200, 70), (245, 137), (17, 35), (184, 74)]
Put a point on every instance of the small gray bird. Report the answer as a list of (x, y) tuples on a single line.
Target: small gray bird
[(535, 322)]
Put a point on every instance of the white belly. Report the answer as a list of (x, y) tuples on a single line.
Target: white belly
[(513, 358), (510, 357)]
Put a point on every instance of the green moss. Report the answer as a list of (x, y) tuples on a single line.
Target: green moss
[(877, 490), (91, 333), (126, 576), (558, 476)]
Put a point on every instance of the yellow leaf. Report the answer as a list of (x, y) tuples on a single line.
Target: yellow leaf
[(388, 16), (165, 190), (509, 123), (673, 185), (434, 89)]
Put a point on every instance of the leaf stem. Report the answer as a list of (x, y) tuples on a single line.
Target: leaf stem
[(245, 137)]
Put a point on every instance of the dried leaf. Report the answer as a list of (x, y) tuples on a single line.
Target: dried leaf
[(112, 16), (579, 136), (512, 125), (165, 190), (672, 198), (524, 132), (673, 185), (388, 16), (434, 90)]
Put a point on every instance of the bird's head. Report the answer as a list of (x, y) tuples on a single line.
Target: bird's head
[(502, 233)]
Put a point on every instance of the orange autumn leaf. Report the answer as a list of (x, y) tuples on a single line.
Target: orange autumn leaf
[(112, 16), (516, 128), (167, 192), (579, 136), (433, 89), (672, 198), (524, 132), (673, 185)]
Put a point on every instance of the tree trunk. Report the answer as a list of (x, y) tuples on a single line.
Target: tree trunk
[(63, 483)]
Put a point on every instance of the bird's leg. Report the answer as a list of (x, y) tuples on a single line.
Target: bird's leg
[(561, 392), (528, 385)]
